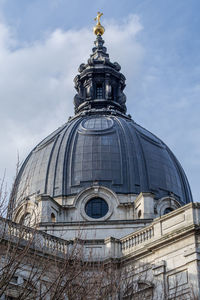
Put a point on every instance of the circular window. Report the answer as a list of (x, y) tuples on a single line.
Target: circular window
[(96, 208)]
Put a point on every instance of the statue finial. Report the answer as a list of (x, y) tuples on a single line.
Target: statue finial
[(98, 18), (98, 29)]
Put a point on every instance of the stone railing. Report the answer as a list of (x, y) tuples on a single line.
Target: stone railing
[(56, 244), (183, 218), (137, 238), (174, 223), (41, 241), (18, 231)]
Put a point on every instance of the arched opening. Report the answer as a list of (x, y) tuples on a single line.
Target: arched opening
[(25, 219), (99, 91), (139, 214), (168, 210), (53, 218)]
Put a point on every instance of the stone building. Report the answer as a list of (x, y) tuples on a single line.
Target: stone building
[(110, 182)]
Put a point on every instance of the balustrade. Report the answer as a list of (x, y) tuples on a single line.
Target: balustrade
[(137, 238), (38, 239)]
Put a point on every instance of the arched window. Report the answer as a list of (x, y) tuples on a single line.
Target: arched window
[(26, 219), (99, 91), (139, 214), (53, 218), (96, 208)]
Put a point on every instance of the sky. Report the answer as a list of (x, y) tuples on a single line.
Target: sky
[(156, 42)]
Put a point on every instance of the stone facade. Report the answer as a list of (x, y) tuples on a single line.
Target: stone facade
[(163, 256)]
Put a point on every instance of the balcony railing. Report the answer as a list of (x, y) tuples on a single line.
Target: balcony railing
[(41, 241), (137, 238)]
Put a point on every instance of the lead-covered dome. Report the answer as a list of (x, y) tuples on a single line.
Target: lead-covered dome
[(101, 145), (112, 151)]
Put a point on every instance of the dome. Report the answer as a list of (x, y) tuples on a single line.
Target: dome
[(112, 151), (101, 145)]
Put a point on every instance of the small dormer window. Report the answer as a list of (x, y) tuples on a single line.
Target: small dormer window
[(99, 91)]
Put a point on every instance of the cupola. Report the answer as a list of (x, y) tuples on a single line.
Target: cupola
[(100, 84)]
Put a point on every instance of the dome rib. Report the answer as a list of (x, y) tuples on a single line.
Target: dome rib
[(68, 158), (184, 182), (49, 163)]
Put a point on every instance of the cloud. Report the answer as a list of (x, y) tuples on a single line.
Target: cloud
[(36, 82)]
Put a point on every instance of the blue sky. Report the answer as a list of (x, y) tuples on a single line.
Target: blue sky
[(156, 42)]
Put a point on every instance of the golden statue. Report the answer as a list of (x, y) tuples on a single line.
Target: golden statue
[(98, 29)]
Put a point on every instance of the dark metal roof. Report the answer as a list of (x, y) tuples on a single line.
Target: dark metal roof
[(112, 151)]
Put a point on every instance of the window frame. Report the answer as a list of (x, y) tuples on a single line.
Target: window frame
[(96, 208)]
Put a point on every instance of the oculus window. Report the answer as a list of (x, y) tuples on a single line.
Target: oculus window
[(96, 208)]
